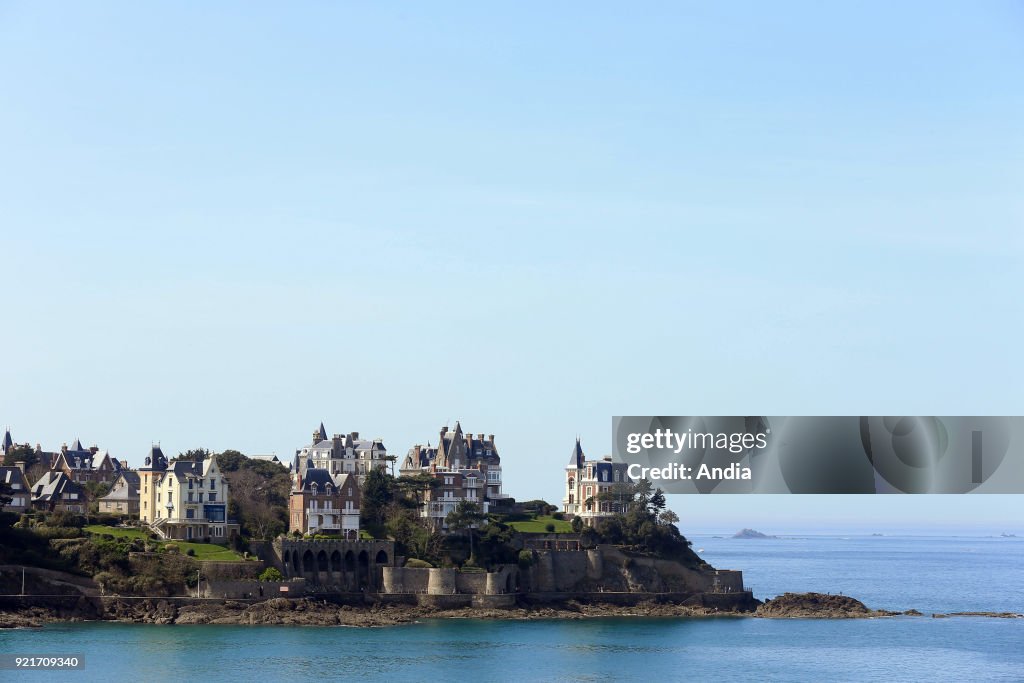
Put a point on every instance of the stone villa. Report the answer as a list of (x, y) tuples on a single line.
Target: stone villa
[(586, 480), (322, 502), (466, 467)]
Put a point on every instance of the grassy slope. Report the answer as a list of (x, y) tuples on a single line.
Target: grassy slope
[(203, 551), (537, 525)]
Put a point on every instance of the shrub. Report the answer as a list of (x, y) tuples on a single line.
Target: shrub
[(549, 527), (525, 559), (577, 524), (170, 547), (418, 563), (191, 552), (271, 574), (558, 515)]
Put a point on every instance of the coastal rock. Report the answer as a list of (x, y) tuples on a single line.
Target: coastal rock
[(817, 606)]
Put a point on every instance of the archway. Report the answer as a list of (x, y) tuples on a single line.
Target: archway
[(382, 557), (321, 561), (307, 561), (364, 570), (336, 562), (295, 561)]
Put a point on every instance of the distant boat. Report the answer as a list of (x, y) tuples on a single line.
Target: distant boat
[(1006, 535), (700, 550)]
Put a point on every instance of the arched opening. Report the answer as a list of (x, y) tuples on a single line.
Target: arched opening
[(307, 561), (382, 557), (295, 561), (287, 556), (350, 561), (321, 561), (364, 570), (510, 584), (336, 562)]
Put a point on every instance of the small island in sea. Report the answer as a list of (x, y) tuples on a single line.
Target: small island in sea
[(751, 533)]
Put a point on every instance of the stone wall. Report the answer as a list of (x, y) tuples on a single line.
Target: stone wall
[(295, 588), (607, 568), (504, 579)]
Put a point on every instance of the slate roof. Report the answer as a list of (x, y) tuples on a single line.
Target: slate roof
[(156, 460), (13, 475), (54, 486), (577, 458), (128, 492)]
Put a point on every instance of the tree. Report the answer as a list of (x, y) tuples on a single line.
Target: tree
[(467, 516), (657, 501), (23, 453), (195, 454), (271, 574), (260, 502), (577, 524), (668, 517), (378, 491)]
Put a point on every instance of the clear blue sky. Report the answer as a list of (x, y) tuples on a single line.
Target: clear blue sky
[(220, 224)]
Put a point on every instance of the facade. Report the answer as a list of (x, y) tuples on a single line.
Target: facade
[(57, 492), (323, 503), (85, 464), (343, 453), (14, 477), (464, 466), (586, 480), (123, 498), (184, 499)]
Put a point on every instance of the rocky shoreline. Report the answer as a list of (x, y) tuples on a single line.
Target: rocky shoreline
[(307, 612)]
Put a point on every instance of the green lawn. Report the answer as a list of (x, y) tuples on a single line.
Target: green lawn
[(538, 524), (208, 552), (117, 532)]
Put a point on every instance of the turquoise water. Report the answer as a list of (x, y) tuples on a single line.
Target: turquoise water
[(962, 574)]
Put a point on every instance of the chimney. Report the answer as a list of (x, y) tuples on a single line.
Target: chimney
[(444, 430), (355, 435), (479, 437), (490, 437), (20, 465)]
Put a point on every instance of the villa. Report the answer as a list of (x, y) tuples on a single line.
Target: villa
[(184, 499), (123, 498), (465, 468), (323, 503), (586, 481)]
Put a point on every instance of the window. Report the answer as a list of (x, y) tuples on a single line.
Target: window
[(190, 496), (213, 483), (158, 497), (212, 496)]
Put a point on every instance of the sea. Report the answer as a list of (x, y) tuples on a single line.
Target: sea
[(931, 574)]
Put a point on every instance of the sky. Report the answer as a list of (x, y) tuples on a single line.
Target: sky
[(220, 225)]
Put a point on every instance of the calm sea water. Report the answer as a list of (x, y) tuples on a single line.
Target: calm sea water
[(930, 574)]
